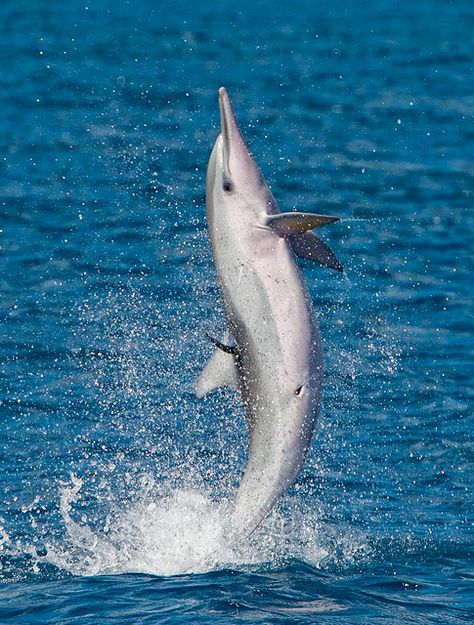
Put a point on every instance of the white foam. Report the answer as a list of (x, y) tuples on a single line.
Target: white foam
[(184, 531)]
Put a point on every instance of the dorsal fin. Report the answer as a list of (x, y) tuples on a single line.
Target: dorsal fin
[(220, 369)]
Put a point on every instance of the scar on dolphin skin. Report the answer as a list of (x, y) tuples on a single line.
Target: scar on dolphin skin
[(228, 349)]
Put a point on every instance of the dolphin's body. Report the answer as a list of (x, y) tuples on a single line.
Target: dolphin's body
[(274, 358)]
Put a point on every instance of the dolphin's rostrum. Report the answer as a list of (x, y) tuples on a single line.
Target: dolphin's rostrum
[(271, 352)]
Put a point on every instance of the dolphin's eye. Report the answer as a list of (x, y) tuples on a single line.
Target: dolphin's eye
[(298, 391), (227, 186)]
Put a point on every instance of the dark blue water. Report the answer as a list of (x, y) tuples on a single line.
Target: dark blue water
[(114, 479)]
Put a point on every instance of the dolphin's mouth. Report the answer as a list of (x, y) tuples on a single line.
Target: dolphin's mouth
[(228, 125)]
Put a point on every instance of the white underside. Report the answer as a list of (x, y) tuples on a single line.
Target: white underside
[(270, 314)]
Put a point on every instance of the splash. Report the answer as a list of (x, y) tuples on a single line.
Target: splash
[(112, 522), (185, 531), (176, 534), (4, 536)]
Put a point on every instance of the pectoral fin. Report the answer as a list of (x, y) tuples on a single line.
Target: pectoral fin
[(286, 224), (308, 245), (220, 370)]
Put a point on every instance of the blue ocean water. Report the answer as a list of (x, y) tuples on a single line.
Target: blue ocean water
[(114, 479)]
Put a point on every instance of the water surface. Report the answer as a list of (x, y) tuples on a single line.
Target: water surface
[(115, 480)]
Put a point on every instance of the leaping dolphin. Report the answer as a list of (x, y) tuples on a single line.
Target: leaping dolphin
[(274, 358)]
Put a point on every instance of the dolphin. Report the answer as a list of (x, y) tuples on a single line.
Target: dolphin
[(271, 352)]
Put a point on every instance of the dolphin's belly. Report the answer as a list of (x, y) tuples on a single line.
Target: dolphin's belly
[(263, 290), (270, 313)]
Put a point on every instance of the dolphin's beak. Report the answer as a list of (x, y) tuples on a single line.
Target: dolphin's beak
[(229, 129), (237, 160)]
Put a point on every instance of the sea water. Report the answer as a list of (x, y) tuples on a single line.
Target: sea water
[(115, 481)]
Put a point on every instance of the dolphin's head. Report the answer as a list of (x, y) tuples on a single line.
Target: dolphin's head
[(232, 173)]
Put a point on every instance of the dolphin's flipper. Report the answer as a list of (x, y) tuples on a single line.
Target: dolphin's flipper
[(219, 371), (308, 245), (286, 224)]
